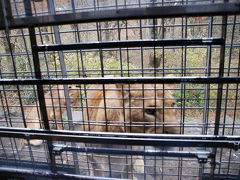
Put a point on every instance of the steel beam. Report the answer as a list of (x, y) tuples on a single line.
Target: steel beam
[(157, 140), (127, 14), (124, 80)]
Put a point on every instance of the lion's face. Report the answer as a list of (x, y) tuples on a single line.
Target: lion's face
[(74, 94), (152, 111)]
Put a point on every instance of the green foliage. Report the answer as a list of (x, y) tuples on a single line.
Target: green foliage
[(193, 96), (195, 58), (110, 65), (4, 67), (29, 97), (92, 65)]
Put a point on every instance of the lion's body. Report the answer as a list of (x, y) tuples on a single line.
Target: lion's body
[(119, 110), (56, 105)]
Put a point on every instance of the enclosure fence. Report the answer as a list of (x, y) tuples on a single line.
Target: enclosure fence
[(120, 89)]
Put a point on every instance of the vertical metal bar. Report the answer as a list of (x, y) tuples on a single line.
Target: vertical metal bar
[(73, 6), (227, 88), (220, 91), (184, 73), (228, 73), (143, 94), (37, 68), (45, 57), (183, 87), (163, 70), (4, 154), (31, 154), (89, 123), (163, 98), (200, 171), (235, 112), (63, 66), (40, 35), (99, 33), (78, 39), (129, 99), (121, 69), (122, 88), (236, 95), (7, 107), (102, 72), (7, 14), (207, 86), (41, 98), (221, 73), (1, 14), (153, 32), (7, 116), (28, 58), (128, 75), (51, 8)]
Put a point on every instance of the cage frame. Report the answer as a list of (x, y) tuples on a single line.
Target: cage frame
[(8, 22)]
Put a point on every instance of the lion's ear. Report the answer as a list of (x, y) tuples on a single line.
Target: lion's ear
[(170, 86)]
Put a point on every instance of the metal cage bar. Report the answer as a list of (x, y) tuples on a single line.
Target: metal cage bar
[(122, 14), (140, 42)]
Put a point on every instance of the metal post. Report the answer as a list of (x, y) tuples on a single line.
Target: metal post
[(220, 91), (41, 98), (51, 8)]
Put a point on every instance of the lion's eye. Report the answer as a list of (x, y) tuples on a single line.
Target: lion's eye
[(151, 111), (173, 104)]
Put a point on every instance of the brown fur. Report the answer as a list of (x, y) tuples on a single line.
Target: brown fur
[(56, 106), (116, 117)]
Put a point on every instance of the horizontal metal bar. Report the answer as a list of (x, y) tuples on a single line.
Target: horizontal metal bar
[(123, 28), (44, 166), (123, 49), (130, 43), (130, 135), (49, 174), (58, 149), (16, 172), (232, 142), (124, 80), (125, 71), (126, 14), (219, 176)]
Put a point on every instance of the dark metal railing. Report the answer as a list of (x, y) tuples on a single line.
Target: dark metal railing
[(33, 21)]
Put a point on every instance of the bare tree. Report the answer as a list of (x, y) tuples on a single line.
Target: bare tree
[(154, 60)]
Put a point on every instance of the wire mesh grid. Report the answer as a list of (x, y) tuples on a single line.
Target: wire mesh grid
[(141, 89)]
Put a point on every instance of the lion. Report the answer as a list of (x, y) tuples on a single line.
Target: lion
[(133, 108), (56, 105)]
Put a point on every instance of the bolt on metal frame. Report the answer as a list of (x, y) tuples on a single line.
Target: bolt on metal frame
[(64, 160)]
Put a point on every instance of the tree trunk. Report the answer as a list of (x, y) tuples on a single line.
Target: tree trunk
[(154, 61)]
